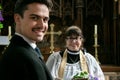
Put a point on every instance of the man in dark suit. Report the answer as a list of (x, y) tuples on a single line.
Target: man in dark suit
[(20, 61)]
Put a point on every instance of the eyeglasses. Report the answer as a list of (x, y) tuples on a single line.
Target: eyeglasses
[(71, 38)]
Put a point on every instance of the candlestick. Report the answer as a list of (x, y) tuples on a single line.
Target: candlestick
[(96, 44), (96, 41)]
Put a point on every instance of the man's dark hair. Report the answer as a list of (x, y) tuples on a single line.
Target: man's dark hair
[(21, 5)]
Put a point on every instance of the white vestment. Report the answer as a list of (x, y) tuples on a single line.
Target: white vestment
[(54, 60)]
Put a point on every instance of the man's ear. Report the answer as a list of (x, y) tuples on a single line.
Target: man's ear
[(17, 18)]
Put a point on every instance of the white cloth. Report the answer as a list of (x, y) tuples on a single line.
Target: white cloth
[(54, 60)]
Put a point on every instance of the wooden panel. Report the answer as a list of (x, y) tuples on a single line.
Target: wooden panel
[(106, 68)]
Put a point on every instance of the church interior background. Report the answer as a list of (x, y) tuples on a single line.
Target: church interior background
[(85, 14)]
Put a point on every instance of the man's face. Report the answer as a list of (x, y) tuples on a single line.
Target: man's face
[(34, 23)]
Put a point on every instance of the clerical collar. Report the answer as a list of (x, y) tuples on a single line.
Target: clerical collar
[(33, 45), (83, 63), (72, 52)]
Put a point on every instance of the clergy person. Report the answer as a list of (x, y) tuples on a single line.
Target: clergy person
[(63, 65)]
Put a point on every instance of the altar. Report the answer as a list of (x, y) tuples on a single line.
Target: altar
[(4, 40), (111, 72)]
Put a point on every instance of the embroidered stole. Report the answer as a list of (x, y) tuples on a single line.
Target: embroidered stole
[(83, 63)]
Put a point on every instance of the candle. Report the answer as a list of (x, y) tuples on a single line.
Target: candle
[(95, 29), (95, 34), (9, 31)]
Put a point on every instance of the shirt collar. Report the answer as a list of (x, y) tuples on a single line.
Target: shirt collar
[(33, 45)]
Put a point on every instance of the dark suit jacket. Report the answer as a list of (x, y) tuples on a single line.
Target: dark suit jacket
[(20, 62)]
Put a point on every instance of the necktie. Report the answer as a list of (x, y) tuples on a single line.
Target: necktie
[(38, 52)]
